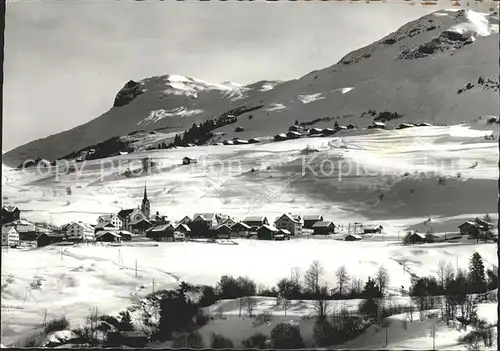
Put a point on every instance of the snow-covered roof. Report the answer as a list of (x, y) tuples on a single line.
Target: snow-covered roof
[(184, 226), (322, 224), (254, 219), (268, 227), (284, 231), (313, 218), (289, 216), (242, 225), (10, 208), (356, 236), (101, 233), (205, 216)]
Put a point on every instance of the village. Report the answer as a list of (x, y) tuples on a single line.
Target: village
[(138, 224)]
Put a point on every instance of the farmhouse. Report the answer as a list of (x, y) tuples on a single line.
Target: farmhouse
[(107, 236), (9, 214), (289, 223), (182, 229), (160, 232), (311, 219), (109, 222), (210, 219), (372, 229), (49, 239), (293, 135), (185, 220), (140, 226), (294, 128), (80, 231), (255, 222), (188, 160), (282, 234), (323, 227), (10, 237), (227, 221), (126, 235), (315, 131), (240, 229), (353, 237), (280, 137), (469, 228), (417, 237), (266, 232), (223, 232)]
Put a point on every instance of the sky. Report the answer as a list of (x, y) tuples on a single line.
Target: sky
[(65, 60)]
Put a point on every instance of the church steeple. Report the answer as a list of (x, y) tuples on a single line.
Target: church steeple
[(145, 207)]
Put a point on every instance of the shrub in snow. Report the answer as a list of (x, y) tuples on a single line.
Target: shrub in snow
[(191, 340), (256, 341), (286, 336), (220, 342), (56, 325)]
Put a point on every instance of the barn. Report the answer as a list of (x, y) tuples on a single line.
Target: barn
[(324, 228), (353, 237), (311, 219), (266, 232), (108, 237)]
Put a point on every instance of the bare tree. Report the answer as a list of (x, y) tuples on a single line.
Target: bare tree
[(249, 303), (356, 286), (312, 277), (382, 279), (321, 304), (342, 278), (285, 303)]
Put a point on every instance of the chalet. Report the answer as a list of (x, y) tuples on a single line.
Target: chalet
[(185, 220), (228, 142), (227, 221), (372, 229), (266, 232), (327, 131), (483, 225), (280, 137), (315, 131), (253, 141), (49, 239), (126, 235), (240, 229), (140, 226), (311, 219), (282, 234), (417, 237), (353, 237), (109, 222), (255, 222), (81, 231), (223, 232), (188, 160), (405, 125), (108, 236), (293, 135), (289, 223), (10, 237), (324, 227), (182, 229), (160, 232), (377, 125), (469, 228), (294, 128), (210, 219), (9, 214), (135, 339)]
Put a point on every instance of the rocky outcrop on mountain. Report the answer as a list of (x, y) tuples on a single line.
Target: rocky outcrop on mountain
[(408, 73), (129, 92)]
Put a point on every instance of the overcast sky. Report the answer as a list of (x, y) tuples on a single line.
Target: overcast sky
[(65, 61)]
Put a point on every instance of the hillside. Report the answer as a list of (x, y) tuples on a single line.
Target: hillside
[(441, 68)]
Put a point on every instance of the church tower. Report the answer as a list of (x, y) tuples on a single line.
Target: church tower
[(145, 207)]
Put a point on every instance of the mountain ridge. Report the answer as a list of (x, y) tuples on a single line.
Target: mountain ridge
[(454, 49)]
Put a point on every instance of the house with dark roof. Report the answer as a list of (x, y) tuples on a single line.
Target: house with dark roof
[(49, 239), (280, 137), (255, 222), (469, 228), (240, 229), (309, 220), (288, 222), (253, 141), (185, 220), (282, 234), (372, 229), (182, 228), (108, 236), (223, 232), (323, 228), (209, 218), (9, 214), (160, 232), (315, 131), (266, 232), (109, 222), (353, 237), (189, 160), (417, 237), (293, 135), (140, 226)]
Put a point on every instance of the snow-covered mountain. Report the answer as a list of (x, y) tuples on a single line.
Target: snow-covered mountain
[(442, 68)]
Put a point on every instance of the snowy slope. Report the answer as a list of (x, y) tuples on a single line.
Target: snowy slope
[(416, 71)]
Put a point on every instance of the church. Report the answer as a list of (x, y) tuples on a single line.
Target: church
[(137, 220)]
